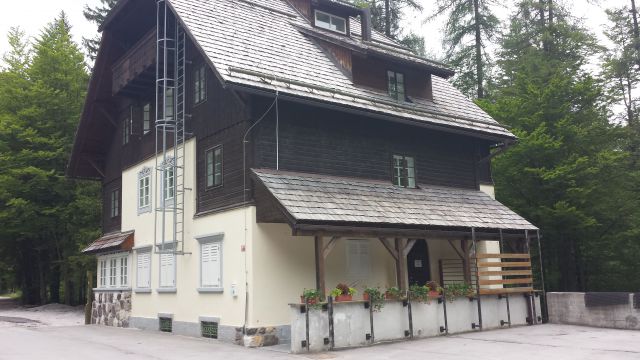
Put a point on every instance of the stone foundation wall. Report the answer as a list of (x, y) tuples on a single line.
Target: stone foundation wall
[(111, 308), (572, 308)]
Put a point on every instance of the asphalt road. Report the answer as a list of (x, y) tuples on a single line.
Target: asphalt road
[(544, 342)]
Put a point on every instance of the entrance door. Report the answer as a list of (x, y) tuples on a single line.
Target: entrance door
[(418, 263)]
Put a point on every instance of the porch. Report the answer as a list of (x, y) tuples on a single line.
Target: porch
[(401, 240)]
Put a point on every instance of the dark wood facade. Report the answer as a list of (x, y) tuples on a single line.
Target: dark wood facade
[(311, 139)]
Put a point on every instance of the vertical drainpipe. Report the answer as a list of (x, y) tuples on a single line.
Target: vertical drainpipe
[(475, 250), (544, 311)]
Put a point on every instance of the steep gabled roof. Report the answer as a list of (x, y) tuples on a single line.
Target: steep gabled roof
[(266, 45)]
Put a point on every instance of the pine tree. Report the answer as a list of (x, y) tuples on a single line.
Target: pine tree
[(567, 174), (41, 210), (470, 26), (96, 15)]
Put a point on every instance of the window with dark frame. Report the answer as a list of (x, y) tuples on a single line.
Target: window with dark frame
[(126, 130), (115, 203), (395, 82), (146, 118), (199, 85), (213, 159), (404, 171)]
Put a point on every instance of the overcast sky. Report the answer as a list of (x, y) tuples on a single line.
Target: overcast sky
[(32, 15)]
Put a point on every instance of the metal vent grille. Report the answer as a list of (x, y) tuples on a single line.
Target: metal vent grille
[(209, 329), (166, 324)]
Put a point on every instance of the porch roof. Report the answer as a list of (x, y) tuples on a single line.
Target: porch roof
[(111, 242), (322, 199)]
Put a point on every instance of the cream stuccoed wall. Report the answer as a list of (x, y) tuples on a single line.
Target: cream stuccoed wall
[(284, 265), (186, 303)]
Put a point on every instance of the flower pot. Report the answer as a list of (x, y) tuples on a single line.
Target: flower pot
[(434, 294), (365, 297), (389, 296), (312, 301), (344, 298)]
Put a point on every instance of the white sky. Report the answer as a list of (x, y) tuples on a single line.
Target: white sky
[(32, 15)]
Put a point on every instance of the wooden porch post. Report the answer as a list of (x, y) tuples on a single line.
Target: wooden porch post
[(466, 260), (401, 269), (320, 268)]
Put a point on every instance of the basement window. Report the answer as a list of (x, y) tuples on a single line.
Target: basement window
[(396, 85), (166, 324), (404, 171), (330, 22), (209, 329)]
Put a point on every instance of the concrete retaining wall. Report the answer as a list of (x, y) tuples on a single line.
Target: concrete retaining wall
[(570, 308), (352, 326)]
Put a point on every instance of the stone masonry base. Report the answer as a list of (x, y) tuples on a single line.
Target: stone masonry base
[(111, 308)]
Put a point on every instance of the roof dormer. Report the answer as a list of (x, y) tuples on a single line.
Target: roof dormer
[(333, 15)]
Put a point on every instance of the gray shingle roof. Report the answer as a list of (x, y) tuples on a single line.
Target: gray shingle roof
[(311, 198), (110, 242), (260, 44)]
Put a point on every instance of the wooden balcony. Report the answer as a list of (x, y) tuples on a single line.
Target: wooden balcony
[(134, 72)]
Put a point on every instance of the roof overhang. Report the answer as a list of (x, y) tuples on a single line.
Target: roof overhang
[(116, 241), (313, 203)]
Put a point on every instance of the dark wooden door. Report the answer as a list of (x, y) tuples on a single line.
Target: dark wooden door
[(418, 263)]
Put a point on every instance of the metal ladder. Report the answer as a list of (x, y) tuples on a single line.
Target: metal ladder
[(170, 132)]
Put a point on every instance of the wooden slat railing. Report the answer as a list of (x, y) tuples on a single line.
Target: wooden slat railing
[(512, 271)]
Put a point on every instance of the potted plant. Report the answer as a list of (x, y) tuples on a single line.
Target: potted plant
[(375, 297), (311, 296), (343, 292), (419, 293), (393, 293), (434, 289), (455, 290)]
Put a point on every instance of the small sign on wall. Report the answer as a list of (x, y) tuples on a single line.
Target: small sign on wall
[(417, 263)]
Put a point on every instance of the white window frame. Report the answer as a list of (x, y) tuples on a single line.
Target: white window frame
[(143, 284), (144, 190), (114, 271), (330, 25), (396, 91), (209, 240), (146, 118), (214, 169), (168, 183), (404, 171), (356, 268), (115, 203), (199, 85)]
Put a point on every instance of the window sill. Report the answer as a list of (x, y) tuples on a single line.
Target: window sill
[(114, 289), (142, 290), (167, 290), (211, 290)]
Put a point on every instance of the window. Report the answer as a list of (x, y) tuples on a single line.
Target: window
[(209, 329), (169, 185), (169, 106), (404, 171), (115, 203), (358, 259), (146, 118), (113, 271), (396, 85), (102, 270), (167, 270), (143, 273), (210, 265), (331, 22), (199, 85), (144, 190), (214, 166), (166, 324)]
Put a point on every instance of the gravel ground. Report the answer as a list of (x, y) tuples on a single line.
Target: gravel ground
[(54, 315)]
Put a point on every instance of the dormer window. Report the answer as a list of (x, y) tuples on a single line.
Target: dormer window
[(331, 22), (396, 85)]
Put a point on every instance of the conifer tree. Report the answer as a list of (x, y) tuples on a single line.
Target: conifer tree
[(97, 15)]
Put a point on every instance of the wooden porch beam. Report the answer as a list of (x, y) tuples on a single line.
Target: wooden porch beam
[(326, 250), (387, 244), (466, 260), (96, 167), (401, 268), (408, 247), (456, 250)]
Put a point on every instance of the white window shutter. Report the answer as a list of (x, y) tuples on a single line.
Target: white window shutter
[(143, 276), (167, 274), (211, 264)]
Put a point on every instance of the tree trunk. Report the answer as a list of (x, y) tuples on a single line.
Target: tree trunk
[(42, 283), (636, 30), (387, 18), (54, 283), (479, 60)]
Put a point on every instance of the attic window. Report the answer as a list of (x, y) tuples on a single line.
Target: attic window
[(396, 85), (331, 22)]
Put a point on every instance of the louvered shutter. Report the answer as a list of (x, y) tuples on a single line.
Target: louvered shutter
[(211, 264), (143, 275), (167, 274)]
